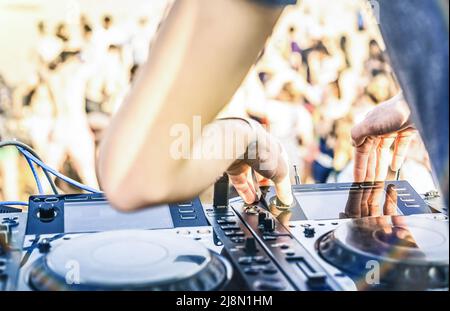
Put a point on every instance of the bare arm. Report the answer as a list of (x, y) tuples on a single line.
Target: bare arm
[(200, 57)]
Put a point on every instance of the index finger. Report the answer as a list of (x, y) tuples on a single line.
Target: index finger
[(401, 146), (279, 174)]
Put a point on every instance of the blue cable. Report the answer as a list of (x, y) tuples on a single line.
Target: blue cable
[(13, 203), (57, 174), (33, 169)]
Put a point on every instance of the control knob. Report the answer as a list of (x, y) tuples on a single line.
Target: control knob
[(262, 218), (269, 224), (47, 212), (309, 232), (44, 246), (250, 246)]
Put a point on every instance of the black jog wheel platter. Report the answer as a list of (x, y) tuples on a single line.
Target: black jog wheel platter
[(408, 252), (130, 260)]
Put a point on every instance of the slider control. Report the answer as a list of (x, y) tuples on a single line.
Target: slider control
[(269, 224), (221, 192), (250, 246), (261, 218)]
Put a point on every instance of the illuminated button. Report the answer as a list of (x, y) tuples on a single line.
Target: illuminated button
[(233, 233), (226, 221), (251, 271), (245, 260), (230, 227), (413, 205), (237, 239), (269, 238), (228, 232), (186, 210), (185, 204), (399, 189), (188, 217), (270, 270), (407, 200), (238, 233), (403, 195)]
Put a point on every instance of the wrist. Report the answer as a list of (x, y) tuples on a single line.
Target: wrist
[(401, 106), (241, 127)]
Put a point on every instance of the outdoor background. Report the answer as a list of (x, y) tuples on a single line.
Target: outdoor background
[(65, 67)]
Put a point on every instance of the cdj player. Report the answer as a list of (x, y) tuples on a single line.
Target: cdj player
[(334, 237)]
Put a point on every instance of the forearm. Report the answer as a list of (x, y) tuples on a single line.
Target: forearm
[(219, 145), (197, 62)]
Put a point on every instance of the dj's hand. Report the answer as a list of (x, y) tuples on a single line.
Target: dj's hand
[(367, 202), (266, 157), (388, 124)]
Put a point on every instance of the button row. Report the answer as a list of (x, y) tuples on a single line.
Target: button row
[(188, 217), (185, 204), (186, 210)]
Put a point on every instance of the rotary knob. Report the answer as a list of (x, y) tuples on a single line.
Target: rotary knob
[(269, 224), (262, 216), (44, 246), (309, 232), (46, 212), (250, 246)]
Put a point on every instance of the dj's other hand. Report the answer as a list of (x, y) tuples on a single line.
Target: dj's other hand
[(267, 158), (366, 202), (386, 125)]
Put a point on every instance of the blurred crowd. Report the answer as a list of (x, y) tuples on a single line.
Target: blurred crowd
[(321, 71), (324, 68), (62, 109)]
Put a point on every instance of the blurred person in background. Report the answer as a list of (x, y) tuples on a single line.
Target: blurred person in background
[(117, 77), (49, 46), (39, 115), (286, 118), (72, 135), (307, 39), (93, 56), (140, 41), (9, 165)]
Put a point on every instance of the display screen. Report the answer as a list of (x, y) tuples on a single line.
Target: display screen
[(100, 216), (335, 204)]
